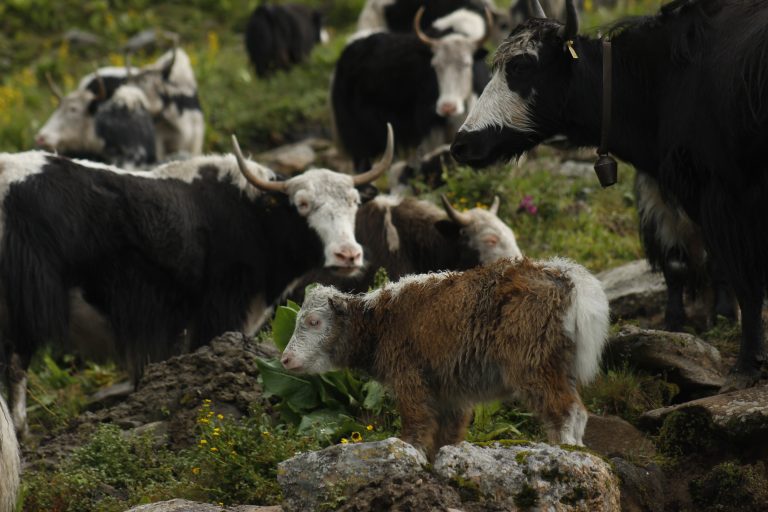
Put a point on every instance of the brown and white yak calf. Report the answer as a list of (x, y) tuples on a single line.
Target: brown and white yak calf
[(445, 341)]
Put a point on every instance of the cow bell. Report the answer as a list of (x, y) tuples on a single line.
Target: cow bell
[(607, 170)]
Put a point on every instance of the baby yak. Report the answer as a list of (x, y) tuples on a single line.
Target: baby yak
[(445, 341)]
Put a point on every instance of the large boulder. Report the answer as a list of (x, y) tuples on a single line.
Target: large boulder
[(314, 480), (169, 395), (694, 365), (634, 290), (739, 414), (392, 475), (536, 475), (611, 436), (642, 488)]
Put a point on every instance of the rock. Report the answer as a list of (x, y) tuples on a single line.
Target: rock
[(611, 436), (78, 37), (742, 413), (289, 159), (191, 506), (574, 169), (106, 397), (405, 495), (641, 487), (633, 290), (694, 365), (224, 371), (312, 480), (540, 475)]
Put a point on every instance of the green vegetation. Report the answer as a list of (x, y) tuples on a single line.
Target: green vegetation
[(233, 461), (729, 486), (627, 393), (686, 432)]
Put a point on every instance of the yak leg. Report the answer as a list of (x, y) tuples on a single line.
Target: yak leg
[(746, 371), (17, 395), (725, 302), (418, 416), (558, 406), (452, 426), (675, 275)]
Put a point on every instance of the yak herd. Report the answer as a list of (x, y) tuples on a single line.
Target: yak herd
[(121, 225)]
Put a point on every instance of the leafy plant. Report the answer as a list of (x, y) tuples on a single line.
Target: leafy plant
[(328, 405)]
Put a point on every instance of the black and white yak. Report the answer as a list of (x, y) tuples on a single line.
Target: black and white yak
[(200, 246), (422, 82), (115, 112), (689, 109), (280, 36), (411, 236)]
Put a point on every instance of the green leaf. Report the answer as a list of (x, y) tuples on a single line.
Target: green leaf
[(375, 395), (283, 325), (292, 305), (328, 423), (298, 392)]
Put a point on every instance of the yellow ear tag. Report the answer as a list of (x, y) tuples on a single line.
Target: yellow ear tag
[(569, 44)]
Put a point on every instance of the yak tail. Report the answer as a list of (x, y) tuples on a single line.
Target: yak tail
[(10, 463), (587, 319)]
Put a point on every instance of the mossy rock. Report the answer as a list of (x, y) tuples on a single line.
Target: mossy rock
[(731, 487), (686, 432)]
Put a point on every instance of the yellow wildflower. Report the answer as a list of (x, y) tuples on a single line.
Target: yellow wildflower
[(356, 437), (369, 428), (195, 471), (344, 440), (203, 442), (214, 449), (220, 416)]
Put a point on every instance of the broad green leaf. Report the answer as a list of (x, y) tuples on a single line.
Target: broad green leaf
[(298, 391), (328, 423), (292, 305), (375, 394), (282, 326)]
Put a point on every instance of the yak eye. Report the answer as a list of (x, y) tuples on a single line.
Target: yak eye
[(313, 322), (520, 65), (491, 240)]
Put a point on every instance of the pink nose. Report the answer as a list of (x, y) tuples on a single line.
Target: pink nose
[(40, 140), (348, 256), (448, 108), (289, 362)]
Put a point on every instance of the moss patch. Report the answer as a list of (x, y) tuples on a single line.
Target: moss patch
[(687, 431), (729, 486)]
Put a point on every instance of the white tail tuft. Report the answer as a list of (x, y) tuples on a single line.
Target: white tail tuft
[(587, 319), (10, 464)]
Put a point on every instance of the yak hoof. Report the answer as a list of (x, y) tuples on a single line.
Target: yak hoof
[(740, 378)]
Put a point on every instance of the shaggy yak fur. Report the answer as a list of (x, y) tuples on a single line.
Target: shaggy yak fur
[(444, 342)]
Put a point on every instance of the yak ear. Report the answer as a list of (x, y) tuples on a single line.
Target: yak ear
[(338, 306), (367, 192)]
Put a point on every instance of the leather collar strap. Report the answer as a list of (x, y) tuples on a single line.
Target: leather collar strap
[(606, 166)]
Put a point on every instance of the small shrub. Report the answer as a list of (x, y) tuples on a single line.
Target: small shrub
[(235, 460), (729, 486), (627, 393)]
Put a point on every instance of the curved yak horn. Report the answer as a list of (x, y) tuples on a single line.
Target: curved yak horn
[(382, 165), (494, 209), (571, 27), (100, 81), (168, 67), (424, 38), (488, 27), (272, 186), (462, 219), (54, 88), (536, 10)]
